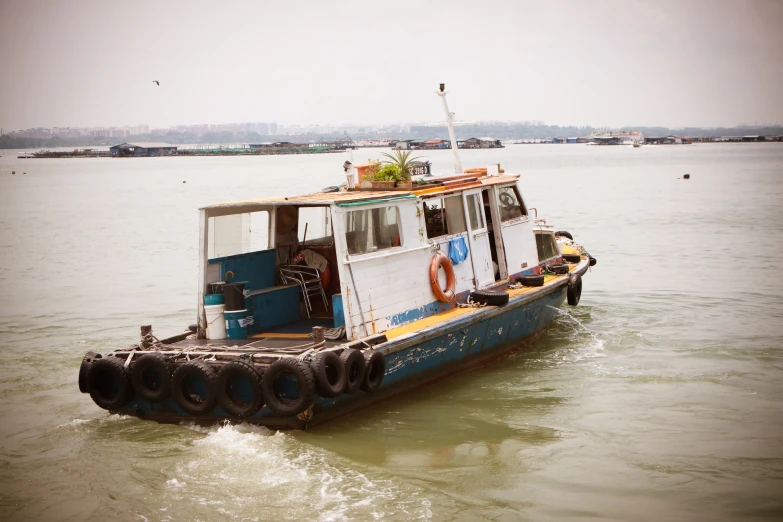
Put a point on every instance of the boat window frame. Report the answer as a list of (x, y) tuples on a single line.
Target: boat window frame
[(433, 240), (378, 253), (551, 233), (523, 208)]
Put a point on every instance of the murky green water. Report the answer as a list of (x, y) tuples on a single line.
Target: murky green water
[(660, 397)]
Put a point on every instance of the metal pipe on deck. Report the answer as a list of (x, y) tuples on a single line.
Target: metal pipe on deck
[(450, 122)]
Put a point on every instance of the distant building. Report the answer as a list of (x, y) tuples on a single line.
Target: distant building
[(143, 149), (437, 144), (608, 140), (480, 143), (669, 140)]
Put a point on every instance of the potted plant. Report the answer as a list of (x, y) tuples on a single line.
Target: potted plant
[(383, 177), (402, 162)]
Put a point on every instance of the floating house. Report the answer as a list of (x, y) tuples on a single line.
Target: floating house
[(143, 149), (480, 143), (670, 140), (437, 144), (608, 140)]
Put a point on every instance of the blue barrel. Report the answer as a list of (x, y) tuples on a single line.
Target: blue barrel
[(238, 323), (214, 299)]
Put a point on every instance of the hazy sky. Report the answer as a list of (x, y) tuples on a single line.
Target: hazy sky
[(602, 63)]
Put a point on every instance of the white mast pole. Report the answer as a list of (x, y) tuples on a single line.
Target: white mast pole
[(450, 122)]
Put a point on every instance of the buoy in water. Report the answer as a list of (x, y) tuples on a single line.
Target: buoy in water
[(686, 176), (184, 182)]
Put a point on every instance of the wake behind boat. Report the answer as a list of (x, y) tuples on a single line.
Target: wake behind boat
[(348, 297)]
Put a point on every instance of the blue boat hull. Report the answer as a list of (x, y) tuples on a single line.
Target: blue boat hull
[(411, 361)]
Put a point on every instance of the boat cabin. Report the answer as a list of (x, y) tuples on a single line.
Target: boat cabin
[(360, 259)]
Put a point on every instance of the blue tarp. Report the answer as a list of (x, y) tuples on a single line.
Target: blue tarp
[(458, 250)]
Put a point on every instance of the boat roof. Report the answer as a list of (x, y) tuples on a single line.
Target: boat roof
[(433, 186)]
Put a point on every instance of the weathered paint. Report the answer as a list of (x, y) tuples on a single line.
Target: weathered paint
[(460, 338)]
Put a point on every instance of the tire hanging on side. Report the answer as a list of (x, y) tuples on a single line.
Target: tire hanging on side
[(572, 258), (230, 394), (84, 369), (185, 384), (274, 386), (329, 374), (574, 291), (354, 369), (564, 234), (374, 370), (109, 383), (151, 377)]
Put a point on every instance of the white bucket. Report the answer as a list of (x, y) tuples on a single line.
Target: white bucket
[(216, 322)]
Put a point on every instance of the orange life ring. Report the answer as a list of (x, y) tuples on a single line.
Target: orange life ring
[(441, 260)]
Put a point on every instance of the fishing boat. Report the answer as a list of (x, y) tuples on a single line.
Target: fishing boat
[(314, 306)]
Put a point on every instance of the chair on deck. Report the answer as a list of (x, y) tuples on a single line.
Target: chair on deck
[(309, 281)]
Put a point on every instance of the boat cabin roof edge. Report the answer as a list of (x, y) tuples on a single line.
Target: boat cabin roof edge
[(337, 198)]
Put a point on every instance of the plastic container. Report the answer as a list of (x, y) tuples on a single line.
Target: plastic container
[(216, 323), (214, 299), (238, 323), (216, 287), (234, 294)]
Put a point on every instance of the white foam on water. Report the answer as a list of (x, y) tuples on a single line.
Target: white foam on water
[(593, 349), (245, 470), (74, 422)]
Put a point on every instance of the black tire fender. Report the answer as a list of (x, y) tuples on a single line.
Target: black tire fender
[(151, 377), (305, 387), (227, 378), (109, 383), (574, 291), (558, 269), (572, 258), (84, 369), (489, 297), (329, 374), (353, 361), (374, 370), (531, 280), (593, 260), (185, 397), (564, 234)]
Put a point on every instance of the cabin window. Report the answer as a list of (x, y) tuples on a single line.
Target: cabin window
[(474, 212), (510, 204), (546, 245), (238, 234), (444, 216), (315, 226), (372, 230)]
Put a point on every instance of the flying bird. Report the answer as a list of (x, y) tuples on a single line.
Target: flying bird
[(156, 82)]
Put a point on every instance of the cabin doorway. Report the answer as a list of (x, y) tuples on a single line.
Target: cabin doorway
[(478, 239), (304, 241)]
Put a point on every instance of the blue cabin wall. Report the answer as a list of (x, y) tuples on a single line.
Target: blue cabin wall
[(259, 268)]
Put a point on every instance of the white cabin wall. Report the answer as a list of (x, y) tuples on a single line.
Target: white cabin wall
[(519, 241), (391, 282)]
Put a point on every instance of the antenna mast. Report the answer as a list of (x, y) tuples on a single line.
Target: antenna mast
[(450, 122)]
